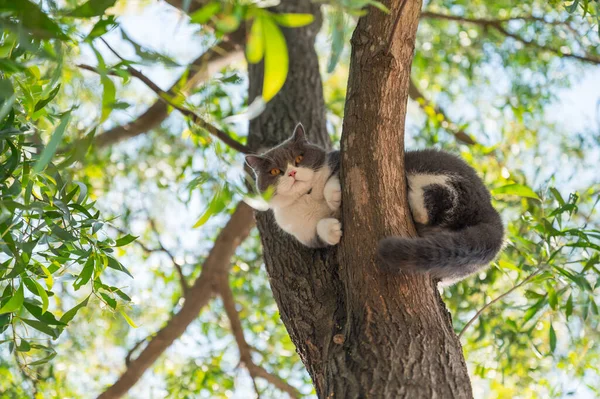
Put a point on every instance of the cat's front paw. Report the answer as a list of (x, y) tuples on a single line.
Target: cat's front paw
[(329, 230), (333, 193)]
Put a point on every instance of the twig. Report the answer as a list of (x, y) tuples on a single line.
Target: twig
[(182, 279), (493, 301), (198, 71), (161, 248), (498, 25), (415, 94), (245, 351), (196, 119)]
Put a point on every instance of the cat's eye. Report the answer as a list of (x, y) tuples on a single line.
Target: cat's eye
[(299, 159), (275, 172)]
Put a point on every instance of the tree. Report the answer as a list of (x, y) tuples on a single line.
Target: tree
[(357, 330)]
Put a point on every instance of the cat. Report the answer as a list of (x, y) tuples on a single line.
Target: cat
[(459, 230)]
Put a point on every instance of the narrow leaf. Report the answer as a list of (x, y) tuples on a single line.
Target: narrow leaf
[(15, 302), (516, 189), (125, 240), (205, 13), (127, 318), (293, 20), (70, 314), (42, 103), (50, 149), (552, 336), (276, 59), (255, 46), (92, 8)]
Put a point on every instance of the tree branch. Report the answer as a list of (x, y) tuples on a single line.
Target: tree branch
[(245, 351), (498, 298), (498, 25), (196, 119), (201, 69), (217, 263), (415, 94)]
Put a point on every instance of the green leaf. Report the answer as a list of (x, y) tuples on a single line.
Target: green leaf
[(42, 103), (115, 264), (552, 336), (125, 240), (15, 302), (276, 59), (147, 55), (40, 326), (216, 205), (337, 40), (44, 317), (43, 360), (70, 314), (103, 26), (24, 346), (50, 149), (205, 13), (533, 310), (571, 8), (85, 275), (92, 8), (33, 18), (42, 292), (552, 298), (255, 46), (110, 301), (109, 94), (293, 20), (127, 318), (557, 196), (516, 189), (227, 23)]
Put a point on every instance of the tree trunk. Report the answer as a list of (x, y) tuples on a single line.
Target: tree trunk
[(360, 332)]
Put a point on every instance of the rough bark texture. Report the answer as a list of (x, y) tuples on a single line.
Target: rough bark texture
[(360, 332), (397, 325), (305, 283)]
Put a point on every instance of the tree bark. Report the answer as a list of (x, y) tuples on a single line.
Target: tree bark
[(360, 332)]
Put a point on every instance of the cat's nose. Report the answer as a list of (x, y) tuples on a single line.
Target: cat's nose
[(292, 173)]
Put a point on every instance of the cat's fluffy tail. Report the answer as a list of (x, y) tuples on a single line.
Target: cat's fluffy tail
[(448, 255)]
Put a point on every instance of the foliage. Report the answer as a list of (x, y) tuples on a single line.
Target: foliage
[(62, 273), (52, 233)]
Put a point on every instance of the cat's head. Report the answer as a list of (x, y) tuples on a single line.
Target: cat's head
[(289, 168)]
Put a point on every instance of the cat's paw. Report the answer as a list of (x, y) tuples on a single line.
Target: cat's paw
[(333, 193), (329, 230)]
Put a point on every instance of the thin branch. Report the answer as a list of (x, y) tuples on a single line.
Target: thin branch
[(245, 350), (498, 25), (200, 70), (196, 119), (133, 349), (217, 263), (182, 279), (498, 298), (416, 95)]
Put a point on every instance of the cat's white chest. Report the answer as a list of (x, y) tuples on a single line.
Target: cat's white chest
[(300, 219)]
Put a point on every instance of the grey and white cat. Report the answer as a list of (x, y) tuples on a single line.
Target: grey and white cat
[(460, 232)]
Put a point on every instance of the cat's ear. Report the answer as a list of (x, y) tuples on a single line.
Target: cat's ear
[(254, 161), (299, 134)]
